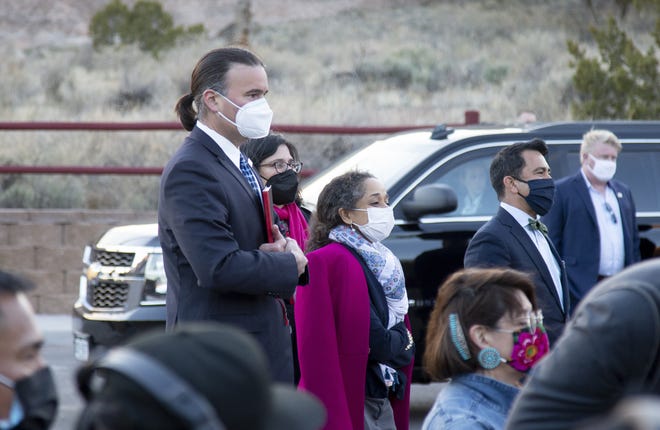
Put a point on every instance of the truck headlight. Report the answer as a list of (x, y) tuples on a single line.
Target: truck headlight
[(155, 285)]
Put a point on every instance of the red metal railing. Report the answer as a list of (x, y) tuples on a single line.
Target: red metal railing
[(471, 118)]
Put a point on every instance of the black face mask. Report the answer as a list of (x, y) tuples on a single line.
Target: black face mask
[(541, 194), (284, 187), (38, 398)]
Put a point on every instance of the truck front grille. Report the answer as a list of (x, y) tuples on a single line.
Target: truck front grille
[(114, 259), (108, 294)]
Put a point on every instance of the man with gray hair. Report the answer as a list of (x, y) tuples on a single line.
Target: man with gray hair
[(28, 399), (592, 221)]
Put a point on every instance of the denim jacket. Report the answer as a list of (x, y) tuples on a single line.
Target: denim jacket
[(471, 401)]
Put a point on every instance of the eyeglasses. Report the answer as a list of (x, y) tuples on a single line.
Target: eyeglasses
[(609, 210), (282, 166), (531, 321)]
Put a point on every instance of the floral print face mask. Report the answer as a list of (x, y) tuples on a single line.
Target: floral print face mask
[(529, 346), (530, 343)]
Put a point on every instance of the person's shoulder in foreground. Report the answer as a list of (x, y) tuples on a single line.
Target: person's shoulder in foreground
[(200, 376), (609, 352), (471, 401)]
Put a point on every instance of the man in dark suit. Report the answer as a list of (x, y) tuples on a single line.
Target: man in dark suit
[(210, 216), (514, 237), (592, 221)]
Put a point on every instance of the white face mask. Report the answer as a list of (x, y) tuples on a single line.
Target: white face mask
[(253, 119), (603, 170), (379, 225)]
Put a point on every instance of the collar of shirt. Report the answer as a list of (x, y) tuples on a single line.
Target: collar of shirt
[(225, 145), (599, 200), (519, 215), (586, 180)]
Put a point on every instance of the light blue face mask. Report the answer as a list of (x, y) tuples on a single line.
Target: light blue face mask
[(16, 412)]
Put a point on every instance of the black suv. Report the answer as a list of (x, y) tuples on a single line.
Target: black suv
[(422, 172)]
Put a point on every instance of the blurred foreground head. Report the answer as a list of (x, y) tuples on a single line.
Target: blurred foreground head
[(608, 354), (28, 398), (199, 376)]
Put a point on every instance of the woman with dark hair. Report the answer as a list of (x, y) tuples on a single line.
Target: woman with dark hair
[(484, 334), (354, 344), (277, 162)]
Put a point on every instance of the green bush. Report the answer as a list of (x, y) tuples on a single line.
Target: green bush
[(146, 25), (109, 26), (623, 83)]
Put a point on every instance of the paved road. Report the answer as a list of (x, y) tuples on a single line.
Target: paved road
[(58, 351)]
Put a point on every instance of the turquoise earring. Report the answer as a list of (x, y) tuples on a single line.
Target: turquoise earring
[(489, 358)]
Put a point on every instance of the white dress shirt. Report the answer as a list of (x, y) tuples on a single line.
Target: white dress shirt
[(231, 151), (610, 229), (225, 145)]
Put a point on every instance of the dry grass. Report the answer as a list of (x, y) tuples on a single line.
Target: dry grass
[(368, 62)]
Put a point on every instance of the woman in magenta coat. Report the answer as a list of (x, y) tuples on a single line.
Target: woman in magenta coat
[(354, 344)]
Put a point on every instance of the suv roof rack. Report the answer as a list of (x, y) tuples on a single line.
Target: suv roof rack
[(441, 132)]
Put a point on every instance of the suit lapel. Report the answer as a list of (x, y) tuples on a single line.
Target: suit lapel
[(562, 276), (519, 233), (227, 164), (583, 192)]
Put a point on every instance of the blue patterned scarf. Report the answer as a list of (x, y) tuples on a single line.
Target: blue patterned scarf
[(387, 268), (382, 263)]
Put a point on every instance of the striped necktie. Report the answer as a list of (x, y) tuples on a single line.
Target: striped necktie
[(249, 175)]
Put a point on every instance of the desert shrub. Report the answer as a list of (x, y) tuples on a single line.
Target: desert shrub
[(496, 74), (109, 24), (39, 192), (146, 25), (402, 69), (128, 100), (621, 83)]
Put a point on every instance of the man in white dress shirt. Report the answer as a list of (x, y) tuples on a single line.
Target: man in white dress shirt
[(592, 222)]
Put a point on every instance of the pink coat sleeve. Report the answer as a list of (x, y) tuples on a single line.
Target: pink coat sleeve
[(332, 322)]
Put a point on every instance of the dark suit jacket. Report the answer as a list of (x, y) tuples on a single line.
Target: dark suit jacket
[(502, 242), (573, 228), (210, 226)]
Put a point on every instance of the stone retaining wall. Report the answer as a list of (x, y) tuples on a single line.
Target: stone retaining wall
[(46, 247)]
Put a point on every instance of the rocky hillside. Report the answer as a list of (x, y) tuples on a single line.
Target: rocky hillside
[(26, 24)]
